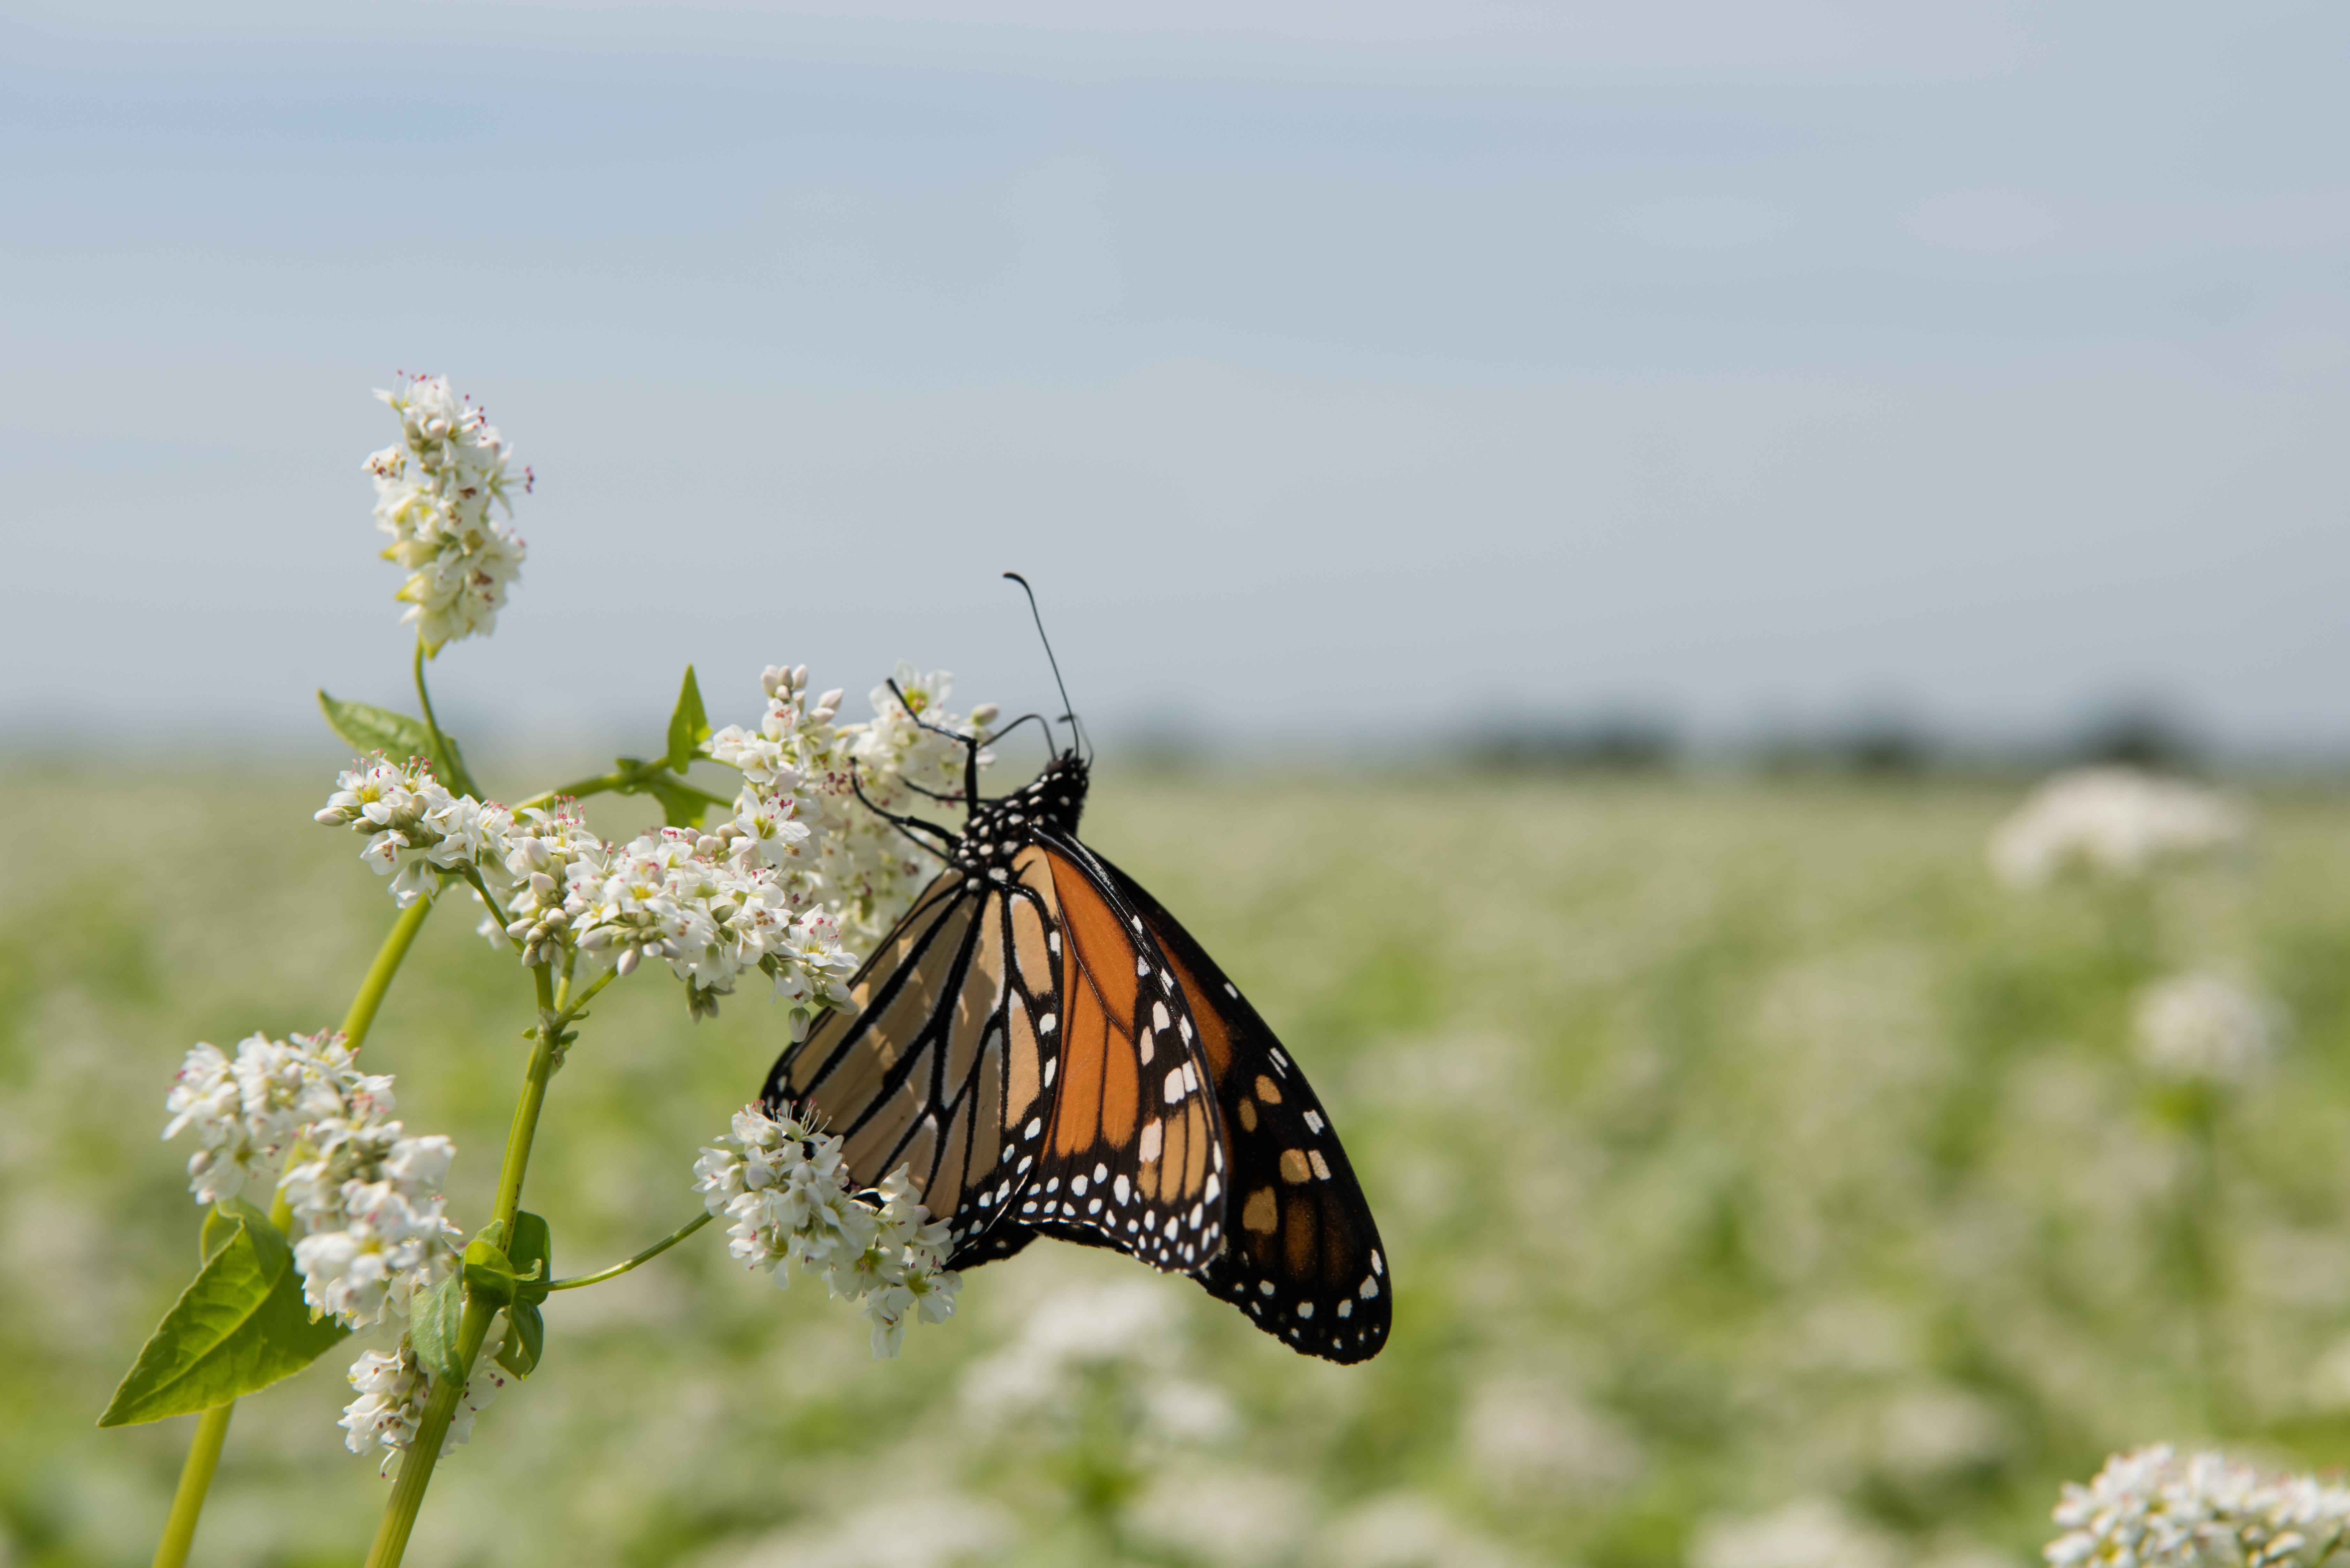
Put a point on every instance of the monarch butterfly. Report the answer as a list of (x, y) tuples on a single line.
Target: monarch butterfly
[(1052, 1054)]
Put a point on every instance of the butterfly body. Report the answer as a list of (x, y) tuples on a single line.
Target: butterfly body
[(1049, 1053)]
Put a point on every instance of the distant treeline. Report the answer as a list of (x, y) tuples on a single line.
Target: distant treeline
[(1879, 747)]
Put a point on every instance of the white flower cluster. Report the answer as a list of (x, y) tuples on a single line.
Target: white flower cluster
[(711, 905), (370, 1199), (791, 1201), (366, 1197), (2152, 1508), (707, 905), (2202, 1028), (413, 826), (801, 775), (2114, 822), (247, 1110), (433, 491), (392, 1393)]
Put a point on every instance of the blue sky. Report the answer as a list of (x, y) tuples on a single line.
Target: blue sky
[(1333, 371)]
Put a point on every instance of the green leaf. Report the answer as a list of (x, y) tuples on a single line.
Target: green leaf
[(525, 1339), (689, 726), (489, 1272), (222, 1222), (534, 1257), (679, 807), (432, 1324), (454, 773), (366, 728), (240, 1325)]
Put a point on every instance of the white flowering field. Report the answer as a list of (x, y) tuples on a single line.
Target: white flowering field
[(1767, 1186)]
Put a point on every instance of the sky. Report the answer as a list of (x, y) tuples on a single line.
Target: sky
[(1355, 374)]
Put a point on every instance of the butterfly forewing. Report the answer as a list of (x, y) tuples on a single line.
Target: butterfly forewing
[(928, 1069), (1302, 1255)]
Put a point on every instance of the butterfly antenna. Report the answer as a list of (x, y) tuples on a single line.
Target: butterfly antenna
[(1068, 708), (970, 744)]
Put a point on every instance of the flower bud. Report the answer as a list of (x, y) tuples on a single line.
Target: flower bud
[(799, 678), (831, 700), (985, 714), (542, 884), (627, 962)]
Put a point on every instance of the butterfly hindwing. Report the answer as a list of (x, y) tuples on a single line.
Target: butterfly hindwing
[(1134, 1153), (1301, 1254)]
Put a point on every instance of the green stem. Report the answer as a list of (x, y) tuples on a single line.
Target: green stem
[(432, 724), (655, 1251), (195, 1479), (425, 1450), (635, 774), (379, 973), (543, 1054)]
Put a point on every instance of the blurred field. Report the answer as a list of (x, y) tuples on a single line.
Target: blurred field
[(1750, 1163)]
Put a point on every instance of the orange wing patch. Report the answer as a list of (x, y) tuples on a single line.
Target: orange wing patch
[(1134, 1158)]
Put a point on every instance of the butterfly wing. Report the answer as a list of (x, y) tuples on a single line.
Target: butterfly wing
[(1304, 1257), (942, 1064), (1133, 1154)]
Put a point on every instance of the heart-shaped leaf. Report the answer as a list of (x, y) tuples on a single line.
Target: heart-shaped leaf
[(240, 1325)]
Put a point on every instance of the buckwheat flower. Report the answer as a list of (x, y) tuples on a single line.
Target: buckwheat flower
[(371, 1200), (2151, 1508), (391, 1407), (2202, 1028), (393, 1389), (2111, 822), (786, 1189), (690, 900), (435, 491), (548, 851), (246, 1111), (416, 830), (803, 771)]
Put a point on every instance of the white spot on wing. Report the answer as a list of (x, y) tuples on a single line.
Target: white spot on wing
[(1232, 990), (1176, 1086), (1314, 1120), (1118, 1189)]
